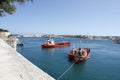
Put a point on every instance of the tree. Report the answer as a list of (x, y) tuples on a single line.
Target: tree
[(7, 6), (2, 30)]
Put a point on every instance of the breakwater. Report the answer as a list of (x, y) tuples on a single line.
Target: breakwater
[(13, 66)]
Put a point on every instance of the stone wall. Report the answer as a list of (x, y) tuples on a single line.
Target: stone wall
[(13, 66)]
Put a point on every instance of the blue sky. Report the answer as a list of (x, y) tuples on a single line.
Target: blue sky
[(85, 17)]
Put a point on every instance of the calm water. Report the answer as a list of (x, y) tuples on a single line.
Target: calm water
[(104, 62)]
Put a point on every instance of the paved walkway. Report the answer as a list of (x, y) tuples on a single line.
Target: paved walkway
[(14, 66)]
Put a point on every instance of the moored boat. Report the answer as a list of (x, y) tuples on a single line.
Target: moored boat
[(51, 44), (79, 55)]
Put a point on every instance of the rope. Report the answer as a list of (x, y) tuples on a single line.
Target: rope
[(66, 71)]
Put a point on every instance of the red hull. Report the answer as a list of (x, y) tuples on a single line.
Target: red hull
[(81, 60), (63, 44), (77, 59)]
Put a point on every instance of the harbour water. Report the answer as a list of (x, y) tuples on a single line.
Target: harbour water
[(103, 64)]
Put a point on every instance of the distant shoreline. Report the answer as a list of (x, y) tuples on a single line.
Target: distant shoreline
[(89, 37)]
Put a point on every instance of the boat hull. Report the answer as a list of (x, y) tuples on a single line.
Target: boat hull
[(63, 44), (78, 59)]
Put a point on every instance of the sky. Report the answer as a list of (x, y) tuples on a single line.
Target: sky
[(65, 17)]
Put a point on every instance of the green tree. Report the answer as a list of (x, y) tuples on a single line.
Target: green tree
[(3, 30), (7, 6)]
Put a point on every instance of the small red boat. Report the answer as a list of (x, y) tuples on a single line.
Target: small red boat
[(50, 44), (79, 55)]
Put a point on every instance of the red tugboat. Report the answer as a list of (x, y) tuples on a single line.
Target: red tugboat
[(79, 55), (50, 44)]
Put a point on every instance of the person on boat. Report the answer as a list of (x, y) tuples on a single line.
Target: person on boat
[(79, 52)]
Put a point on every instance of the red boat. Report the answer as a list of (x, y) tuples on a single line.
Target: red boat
[(50, 44), (79, 55)]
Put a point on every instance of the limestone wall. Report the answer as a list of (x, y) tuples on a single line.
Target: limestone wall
[(13, 66)]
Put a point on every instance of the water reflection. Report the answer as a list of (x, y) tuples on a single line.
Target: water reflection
[(50, 50)]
